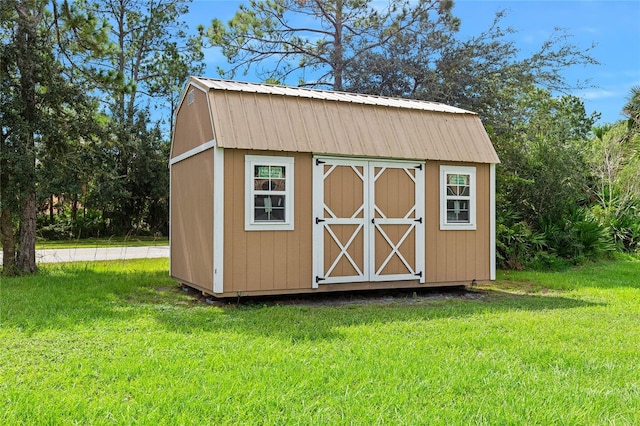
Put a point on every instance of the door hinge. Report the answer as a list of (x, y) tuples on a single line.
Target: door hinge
[(419, 220), (419, 167), (318, 162), (318, 279), (318, 220), (419, 274)]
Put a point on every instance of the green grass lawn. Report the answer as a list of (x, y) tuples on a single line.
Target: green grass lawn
[(120, 343), (127, 241)]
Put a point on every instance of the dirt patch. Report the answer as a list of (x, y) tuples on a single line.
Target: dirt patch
[(367, 297)]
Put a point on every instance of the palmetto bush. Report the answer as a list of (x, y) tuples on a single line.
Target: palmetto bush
[(550, 244), (623, 226), (576, 237), (516, 243)]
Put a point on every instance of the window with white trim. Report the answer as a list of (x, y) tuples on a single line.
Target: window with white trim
[(457, 198), (268, 193)]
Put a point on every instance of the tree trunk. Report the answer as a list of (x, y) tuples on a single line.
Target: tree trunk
[(338, 54), (26, 260), (51, 217), (74, 208), (6, 220), (30, 15), (8, 242)]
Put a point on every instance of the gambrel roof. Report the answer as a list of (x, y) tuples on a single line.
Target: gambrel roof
[(276, 118)]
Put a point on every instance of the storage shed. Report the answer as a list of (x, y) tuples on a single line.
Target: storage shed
[(279, 190)]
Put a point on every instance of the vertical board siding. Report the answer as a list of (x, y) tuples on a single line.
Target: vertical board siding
[(266, 260), (193, 125), (456, 256), (192, 220), (483, 216)]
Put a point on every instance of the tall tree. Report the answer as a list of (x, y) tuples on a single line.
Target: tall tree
[(152, 53), (615, 166), (484, 73), (39, 104), (325, 37), (632, 110), (543, 170), (152, 56)]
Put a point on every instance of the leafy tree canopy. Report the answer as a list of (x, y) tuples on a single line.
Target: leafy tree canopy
[(325, 38)]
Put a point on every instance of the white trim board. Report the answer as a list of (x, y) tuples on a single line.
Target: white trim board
[(446, 169), (218, 220), (194, 151), (492, 221)]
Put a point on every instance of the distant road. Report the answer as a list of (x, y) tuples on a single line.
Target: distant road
[(99, 253)]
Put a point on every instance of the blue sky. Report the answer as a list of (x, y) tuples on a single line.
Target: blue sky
[(613, 26)]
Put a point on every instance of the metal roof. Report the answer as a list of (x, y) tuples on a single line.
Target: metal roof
[(357, 98), (275, 118)]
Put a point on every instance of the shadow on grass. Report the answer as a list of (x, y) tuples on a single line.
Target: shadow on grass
[(83, 298)]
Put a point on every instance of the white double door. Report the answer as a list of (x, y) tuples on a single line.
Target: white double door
[(368, 220)]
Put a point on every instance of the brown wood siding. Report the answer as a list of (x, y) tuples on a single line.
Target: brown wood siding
[(451, 255), (192, 220), (193, 125), (266, 261)]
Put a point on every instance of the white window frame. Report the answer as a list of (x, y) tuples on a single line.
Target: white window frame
[(250, 224), (445, 225)]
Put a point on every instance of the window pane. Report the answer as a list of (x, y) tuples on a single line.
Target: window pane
[(269, 208), (269, 172), (458, 185), (269, 178), (278, 185), (457, 211), (263, 185)]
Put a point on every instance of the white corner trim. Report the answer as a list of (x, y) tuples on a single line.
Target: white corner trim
[(492, 221), (194, 151), (218, 220), (170, 219)]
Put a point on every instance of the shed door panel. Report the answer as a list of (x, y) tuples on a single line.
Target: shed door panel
[(368, 221), (340, 231), (397, 222)]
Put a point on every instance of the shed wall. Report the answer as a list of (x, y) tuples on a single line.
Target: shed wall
[(193, 126), (266, 261), (192, 220), (457, 256)]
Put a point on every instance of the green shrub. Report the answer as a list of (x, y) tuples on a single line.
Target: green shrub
[(577, 237), (89, 224), (623, 226), (552, 244), (516, 243)]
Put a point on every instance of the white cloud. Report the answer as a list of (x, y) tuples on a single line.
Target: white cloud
[(592, 95)]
